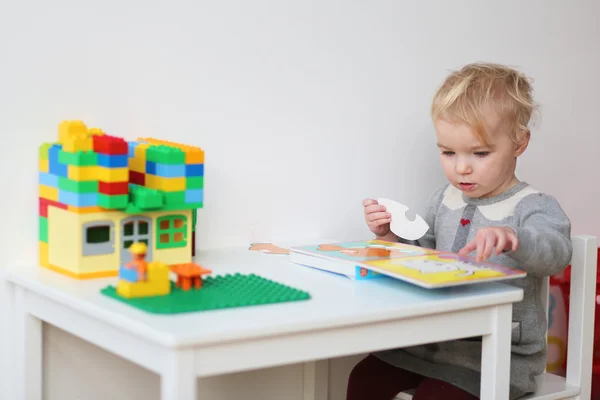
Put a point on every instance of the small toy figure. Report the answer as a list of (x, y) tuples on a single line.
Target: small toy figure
[(138, 252), (140, 278)]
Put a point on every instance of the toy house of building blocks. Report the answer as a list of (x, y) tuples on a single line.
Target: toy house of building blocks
[(99, 194)]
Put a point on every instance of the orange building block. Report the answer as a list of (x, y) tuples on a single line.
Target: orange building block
[(189, 275)]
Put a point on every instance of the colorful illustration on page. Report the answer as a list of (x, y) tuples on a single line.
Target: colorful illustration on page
[(434, 269), (369, 250)]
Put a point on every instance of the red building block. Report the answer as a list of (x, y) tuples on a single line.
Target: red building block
[(106, 144), (113, 187), (45, 203), (137, 178)]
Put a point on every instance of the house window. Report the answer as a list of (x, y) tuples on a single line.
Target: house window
[(171, 232), (135, 230), (98, 238)]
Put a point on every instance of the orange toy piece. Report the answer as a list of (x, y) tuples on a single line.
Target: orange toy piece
[(189, 275), (138, 254)]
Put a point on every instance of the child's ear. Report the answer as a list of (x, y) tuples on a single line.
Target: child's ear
[(522, 142)]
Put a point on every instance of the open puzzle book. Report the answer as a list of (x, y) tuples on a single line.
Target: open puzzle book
[(423, 267)]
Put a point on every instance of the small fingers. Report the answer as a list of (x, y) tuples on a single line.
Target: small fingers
[(379, 218), (469, 247), (479, 247), (503, 241), (507, 241), (374, 208), (368, 202), (488, 245), (488, 241), (514, 242)]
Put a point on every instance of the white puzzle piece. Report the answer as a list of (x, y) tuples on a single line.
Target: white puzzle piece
[(401, 225)]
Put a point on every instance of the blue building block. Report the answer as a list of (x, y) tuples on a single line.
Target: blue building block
[(55, 166), (170, 170), (150, 167), (131, 149), (194, 195), (48, 179), (113, 160), (78, 199), (194, 170)]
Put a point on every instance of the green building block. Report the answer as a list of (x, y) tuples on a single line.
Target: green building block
[(144, 198), (43, 229), (77, 186), (79, 158), (44, 150), (113, 202), (174, 197), (194, 182), (217, 292), (133, 209), (165, 155)]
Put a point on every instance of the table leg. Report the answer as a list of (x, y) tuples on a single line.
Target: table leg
[(6, 343), (178, 380), (27, 339), (495, 357), (316, 380)]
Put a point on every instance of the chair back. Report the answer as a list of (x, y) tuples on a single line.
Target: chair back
[(582, 306)]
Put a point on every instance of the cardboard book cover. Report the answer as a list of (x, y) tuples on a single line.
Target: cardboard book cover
[(368, 259)]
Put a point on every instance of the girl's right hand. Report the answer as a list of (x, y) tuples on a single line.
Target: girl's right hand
[(376, 217)]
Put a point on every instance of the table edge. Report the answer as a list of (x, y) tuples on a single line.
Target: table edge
[(115, 319)]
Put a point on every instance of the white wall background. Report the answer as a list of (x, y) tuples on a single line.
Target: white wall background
[(303, 108)]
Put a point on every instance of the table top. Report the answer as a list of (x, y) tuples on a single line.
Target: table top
[(336, 301)]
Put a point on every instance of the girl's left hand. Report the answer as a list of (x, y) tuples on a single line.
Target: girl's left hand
[(500, 238)]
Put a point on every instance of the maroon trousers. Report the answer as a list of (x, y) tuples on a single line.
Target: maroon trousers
[(374, 379)]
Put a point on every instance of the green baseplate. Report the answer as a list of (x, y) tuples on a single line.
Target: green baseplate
[(217, 292)]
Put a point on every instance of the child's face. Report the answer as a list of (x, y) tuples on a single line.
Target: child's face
[(471, 166)]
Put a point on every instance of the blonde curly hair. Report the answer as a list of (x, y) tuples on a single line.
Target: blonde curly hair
[(467, 93)]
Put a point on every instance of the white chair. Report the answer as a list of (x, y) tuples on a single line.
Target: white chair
[(578, 381)]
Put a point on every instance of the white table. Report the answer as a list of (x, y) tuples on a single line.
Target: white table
[(343, 317)]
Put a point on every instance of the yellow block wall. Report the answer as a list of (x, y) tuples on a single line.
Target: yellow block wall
[(177, 255), (65, 236), (64, 239)]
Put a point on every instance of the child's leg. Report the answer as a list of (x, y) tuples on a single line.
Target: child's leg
[(374, 379), (433, 389)]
